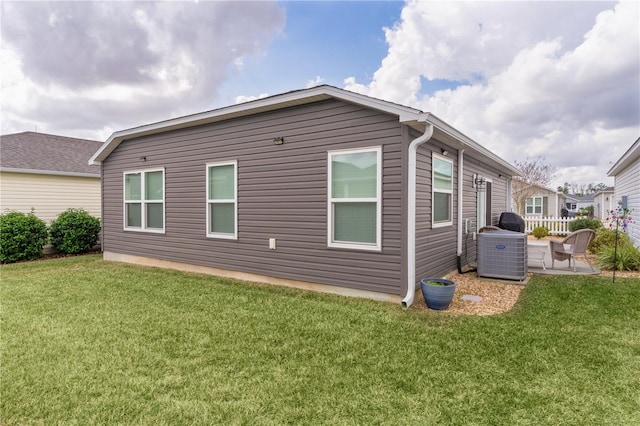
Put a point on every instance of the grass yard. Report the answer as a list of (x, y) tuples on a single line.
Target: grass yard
[(89, 342)]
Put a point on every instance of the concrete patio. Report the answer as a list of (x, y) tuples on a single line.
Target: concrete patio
[(539, 262)]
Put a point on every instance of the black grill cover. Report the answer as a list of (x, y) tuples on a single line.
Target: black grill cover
[(511, 222)]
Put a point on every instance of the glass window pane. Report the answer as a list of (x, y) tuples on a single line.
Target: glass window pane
[(354, 175), (154, 215), (134, 215), (529, 202), (442, 174), (222, 218), (132, 186), (441, 207), (355, 222), (221, 182), (153, 185)]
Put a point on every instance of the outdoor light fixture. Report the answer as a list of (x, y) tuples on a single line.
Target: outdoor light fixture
[(479, 181), (445, 152), (279, 140), (143, 159)]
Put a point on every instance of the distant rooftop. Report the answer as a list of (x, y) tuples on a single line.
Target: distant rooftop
[(48, 154)]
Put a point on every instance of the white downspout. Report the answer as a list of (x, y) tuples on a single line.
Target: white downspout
[(411, 216), (460, 200)]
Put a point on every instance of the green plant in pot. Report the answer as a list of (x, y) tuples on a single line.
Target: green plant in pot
[(437, 292)]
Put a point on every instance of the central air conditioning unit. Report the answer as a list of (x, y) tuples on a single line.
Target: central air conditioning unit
[(502, 254)]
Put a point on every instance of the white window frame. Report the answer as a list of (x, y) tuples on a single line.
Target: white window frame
[(331, 242), (228, 236), (143, 202), (435, 224), (526, 206)]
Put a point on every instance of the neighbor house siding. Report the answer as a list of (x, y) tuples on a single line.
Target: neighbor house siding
[(435, 246), (627, 183), (282, 194), (49, 195), (603, 203)]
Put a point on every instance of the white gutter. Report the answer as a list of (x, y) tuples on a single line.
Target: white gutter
[(460, 200), (411, 216)]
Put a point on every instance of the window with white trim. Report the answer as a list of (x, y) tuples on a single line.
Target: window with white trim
[(533, 205), (355, 204), (222, 206), (144, 200), (441, 191)]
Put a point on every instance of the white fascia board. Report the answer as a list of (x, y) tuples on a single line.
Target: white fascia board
[(632, 154), (472, 145), (271, 103), (49, 172)]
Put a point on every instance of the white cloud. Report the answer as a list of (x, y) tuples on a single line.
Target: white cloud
[(559, 80), (242, 98), (315, 82), (74, 67)]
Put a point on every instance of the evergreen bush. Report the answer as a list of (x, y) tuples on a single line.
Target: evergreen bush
[(22, 237), (74, 231), (540, 232), (606, 237), (584, 223)]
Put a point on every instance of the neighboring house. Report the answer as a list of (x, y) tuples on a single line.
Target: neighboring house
[(48, 173), (320, 188), (546, 203), (603, 203), (626, 174), (576, 202)]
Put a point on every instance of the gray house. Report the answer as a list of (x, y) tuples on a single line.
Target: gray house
[(321, 188)]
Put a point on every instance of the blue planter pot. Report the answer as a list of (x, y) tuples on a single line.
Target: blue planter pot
[(438, 295)]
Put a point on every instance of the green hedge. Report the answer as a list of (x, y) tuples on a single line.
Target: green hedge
[(74, 231), (605, 238), (577, 224), (22, 237)]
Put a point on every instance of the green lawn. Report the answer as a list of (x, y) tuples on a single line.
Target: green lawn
[(89, 342)]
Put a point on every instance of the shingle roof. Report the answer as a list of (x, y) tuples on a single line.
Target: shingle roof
[(406, 115), (39, 152)]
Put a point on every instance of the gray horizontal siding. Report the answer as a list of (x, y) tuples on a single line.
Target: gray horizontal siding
[(435, 247), (498, 202), (282, 194)]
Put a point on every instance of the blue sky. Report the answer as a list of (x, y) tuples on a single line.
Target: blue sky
[(327, 39), (559, 80)]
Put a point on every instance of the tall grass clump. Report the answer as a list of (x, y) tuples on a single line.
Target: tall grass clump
[(625, 258)]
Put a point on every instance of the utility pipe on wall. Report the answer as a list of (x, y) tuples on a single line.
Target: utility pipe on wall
[(460, 200), (411, 215)]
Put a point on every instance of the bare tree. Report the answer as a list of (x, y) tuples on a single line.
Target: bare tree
[(534, 174)]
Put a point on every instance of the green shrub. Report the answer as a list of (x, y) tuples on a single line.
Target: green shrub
[(627, 258), (606, 237), (22, 237), (594, 224), (74, 231), (540, 232)]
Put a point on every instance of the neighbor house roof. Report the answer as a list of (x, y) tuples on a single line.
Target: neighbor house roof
[(603, 191), (586, 198), (632, 154), (545, 189), (40, 153), (410, 116)]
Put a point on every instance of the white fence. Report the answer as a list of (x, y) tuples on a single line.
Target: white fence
[(555, 225)]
